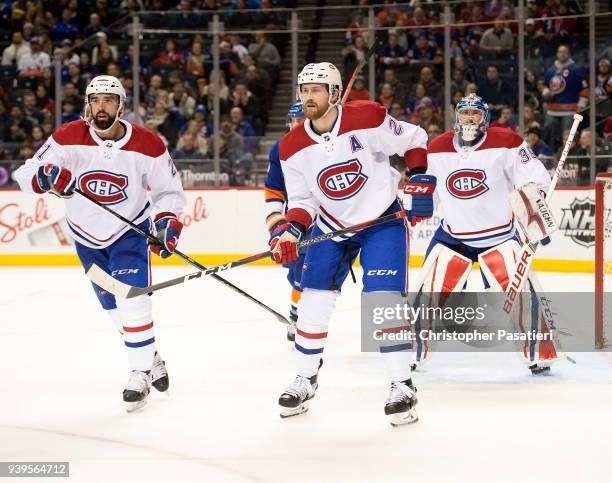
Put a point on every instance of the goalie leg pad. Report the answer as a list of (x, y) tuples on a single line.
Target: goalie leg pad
[(497, 263)]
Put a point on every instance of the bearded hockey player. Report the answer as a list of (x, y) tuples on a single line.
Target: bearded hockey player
[(336, 169), (114, 162), (485, 174)]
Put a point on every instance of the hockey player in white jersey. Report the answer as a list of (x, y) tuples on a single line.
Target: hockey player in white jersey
[(479, 170), (115, 162), (336, 169)]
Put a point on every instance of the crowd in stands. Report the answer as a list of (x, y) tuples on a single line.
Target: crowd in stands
[(410, 69), (176, 91)]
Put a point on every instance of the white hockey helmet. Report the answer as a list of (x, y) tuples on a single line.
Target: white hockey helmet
[(322, 73), (104, 84)]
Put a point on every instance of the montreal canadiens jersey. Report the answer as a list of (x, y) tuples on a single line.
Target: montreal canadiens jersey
[(116, 173), (474, 184), (344, 177)]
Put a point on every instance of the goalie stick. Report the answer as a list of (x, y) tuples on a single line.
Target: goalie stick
[(123, 290), (187, 258), (525, 257), (358, 68)]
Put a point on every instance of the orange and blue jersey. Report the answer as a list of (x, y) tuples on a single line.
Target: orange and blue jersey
[(275, 192)]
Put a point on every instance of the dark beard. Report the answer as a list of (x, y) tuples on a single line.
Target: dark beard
[(104, 124)]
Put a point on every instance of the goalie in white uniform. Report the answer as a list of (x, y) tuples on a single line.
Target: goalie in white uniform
[(484, 174)]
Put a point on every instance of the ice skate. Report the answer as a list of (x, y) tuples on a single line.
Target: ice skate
[(291, 327), (401, 402), (296, 397), (137, 389), (539, 369), (159, 374)]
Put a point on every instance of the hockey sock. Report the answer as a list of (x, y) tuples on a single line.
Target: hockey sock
[(138, 334), (295, 298), (116, 318), (316, 307), (397, 365)]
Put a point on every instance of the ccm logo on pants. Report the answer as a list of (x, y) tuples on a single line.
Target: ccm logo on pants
[(125, 271), (382, 272)]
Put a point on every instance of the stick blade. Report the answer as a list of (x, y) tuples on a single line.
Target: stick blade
[(108, 283)]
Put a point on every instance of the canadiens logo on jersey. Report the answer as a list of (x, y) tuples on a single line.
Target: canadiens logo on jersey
[(103, 186), (467, 183), (343, 180)]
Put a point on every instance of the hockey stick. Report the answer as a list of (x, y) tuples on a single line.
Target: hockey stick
[(358, 68), (123, 290), (525, 258), (187, 258)]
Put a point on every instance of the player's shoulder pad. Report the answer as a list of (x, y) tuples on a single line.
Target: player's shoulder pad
[(293, 142), (361, 115), (145, 141), (74, 133), (500, 137), (442, 143)]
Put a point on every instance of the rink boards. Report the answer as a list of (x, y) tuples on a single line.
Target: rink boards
[(222, 224)]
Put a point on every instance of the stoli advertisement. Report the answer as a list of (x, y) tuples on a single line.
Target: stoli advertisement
[(227, 223)]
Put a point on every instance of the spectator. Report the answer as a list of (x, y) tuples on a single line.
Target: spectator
[(386, 96), (498, 39), (12, 54), (155, 85), (199, 132), (432, 87), (419, 93), (234, 140), (27, 31), (73, 96), (393, 54), (112, 68), (529, 117), (239, 15), (249, 61), (422, 50), (470, 89), (566, 92), (170, 55), (458, 84), (38, 138), (359, 92), (495, 92), (353, 54), (181, 102), (582, 152), (95, 26), (189, 148), (424, 116), (607, 130), (65, 28), (235, 163), (74, 76), (433, 131), (418, 19), (506, 120), (532, 91), (17, 128), (25, 152), (102, 43), (163, 122), (195, 60), (539, 147), (240, 50), (265, 54), (459, 63), (31, 112), (43, 101), (398, 112), (67, 54), (207, 95), (68, 112), (603, 86), (257, 86), (400, 90), (565, 27), (229, 61), (35, 64), (243, 127), (249, 107), (103, 11), (355, 28)]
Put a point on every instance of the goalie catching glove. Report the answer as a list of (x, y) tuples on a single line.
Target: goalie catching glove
[(168, 230), (54, 179), (532, 213), (283, 243), (418, 197)]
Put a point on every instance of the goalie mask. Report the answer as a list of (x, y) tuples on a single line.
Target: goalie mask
[(472, 118), (104, 84), (322, 73)]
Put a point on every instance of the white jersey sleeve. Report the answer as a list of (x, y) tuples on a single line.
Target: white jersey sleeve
[(402, 138), (524, 167), (49, 152), (165, 183)]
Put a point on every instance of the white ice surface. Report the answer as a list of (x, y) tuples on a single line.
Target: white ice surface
[(483, 417)]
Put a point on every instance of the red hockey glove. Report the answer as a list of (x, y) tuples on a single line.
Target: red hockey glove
[(168, 230)]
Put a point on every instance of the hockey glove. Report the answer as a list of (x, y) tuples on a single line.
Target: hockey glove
[(418, 197), (284, 244), (168, 230), (54, 179)]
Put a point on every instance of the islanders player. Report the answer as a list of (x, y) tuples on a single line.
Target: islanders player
[(478, 169), (276, 221), (336, 169), (115, 162)]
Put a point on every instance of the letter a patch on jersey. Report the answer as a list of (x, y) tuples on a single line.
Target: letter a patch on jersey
[(343, 180), (355, 144)]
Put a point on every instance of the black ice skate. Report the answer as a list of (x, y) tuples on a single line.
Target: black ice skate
[(137, 389), (539, 369), (159, 374), (296, 397), (291, 327), (401, 402)]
